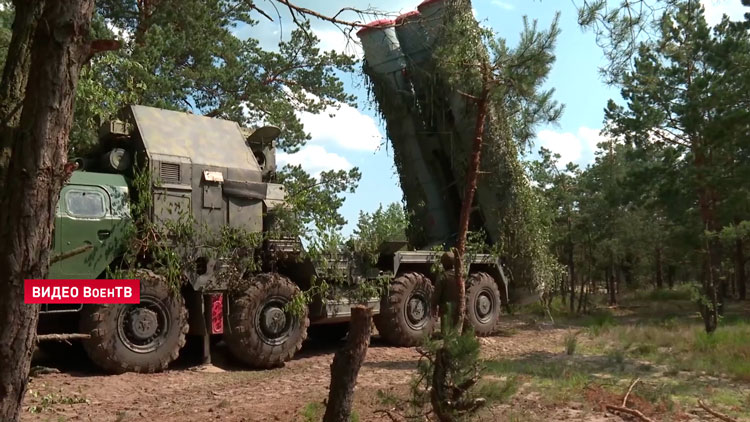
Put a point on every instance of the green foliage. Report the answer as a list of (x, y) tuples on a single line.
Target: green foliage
[(599, 322), (571, 342), (6, 21), (458, 357), (313, 203), (682, 344), (660, 295), (209, 69), (313, 412), (471, 58), (47, 402), (372, 230), (498, 392)]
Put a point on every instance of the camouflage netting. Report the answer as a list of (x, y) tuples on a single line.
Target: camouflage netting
[(419, 92)]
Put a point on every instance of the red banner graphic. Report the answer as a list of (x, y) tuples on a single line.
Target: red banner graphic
[(82, 291)]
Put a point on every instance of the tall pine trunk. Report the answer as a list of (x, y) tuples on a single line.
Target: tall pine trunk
[(707, 205), (472, 175), (659, 269), (571, 269), (346, 365), (739, 265), (15, 76), (612, 285), (35, 176)]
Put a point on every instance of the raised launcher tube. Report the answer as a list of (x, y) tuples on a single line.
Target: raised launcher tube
[(446, 108), (385, 65)]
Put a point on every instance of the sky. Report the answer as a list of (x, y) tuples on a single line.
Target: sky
[(354, 136)]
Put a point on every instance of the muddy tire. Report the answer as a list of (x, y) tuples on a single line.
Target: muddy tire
[(405, 317), (328, 333), (482, 303), (143, 337), (260, 333)]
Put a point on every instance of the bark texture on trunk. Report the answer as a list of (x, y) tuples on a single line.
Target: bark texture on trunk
[(438, 386), (659, 271), (571, 268), (15, 76), (671, 269), (471, 187), (37, 172), (739, 265), (612, 285), (346, 364)]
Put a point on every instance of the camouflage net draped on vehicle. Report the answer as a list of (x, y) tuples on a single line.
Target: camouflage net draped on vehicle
[(424, 97)]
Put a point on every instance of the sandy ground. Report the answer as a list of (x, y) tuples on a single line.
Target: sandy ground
[(75, 391)]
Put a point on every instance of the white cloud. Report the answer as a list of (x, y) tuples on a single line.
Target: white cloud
[(314, 159), (576, 147), (346, 127), (503, 4), (590, 137), (715, 9)]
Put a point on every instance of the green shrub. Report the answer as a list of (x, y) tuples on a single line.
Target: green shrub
[(571, 342)]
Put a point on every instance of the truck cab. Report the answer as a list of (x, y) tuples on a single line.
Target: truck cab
[(91, 222)]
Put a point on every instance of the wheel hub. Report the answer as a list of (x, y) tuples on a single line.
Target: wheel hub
[(143, 323), (484, 305), (143, 328), (416, 310), (273, 321)]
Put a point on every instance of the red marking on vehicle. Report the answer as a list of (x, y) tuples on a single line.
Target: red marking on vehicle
[(378, 24), (82, 291), (217, 314)]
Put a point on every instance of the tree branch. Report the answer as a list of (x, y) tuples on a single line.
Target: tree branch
[(714, 413)]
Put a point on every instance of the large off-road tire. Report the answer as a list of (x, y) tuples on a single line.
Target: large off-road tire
[(144, 337), (260, 332), (482, 303), (328, 333), (405, 317)]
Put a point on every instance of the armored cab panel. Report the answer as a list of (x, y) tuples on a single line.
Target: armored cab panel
[(194, 158)]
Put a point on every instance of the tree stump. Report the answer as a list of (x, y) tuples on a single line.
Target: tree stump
[(346, 364)]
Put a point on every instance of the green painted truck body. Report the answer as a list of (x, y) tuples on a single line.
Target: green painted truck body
[(91, 222)]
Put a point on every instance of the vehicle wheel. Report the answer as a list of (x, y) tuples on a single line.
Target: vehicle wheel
[(328, 333), (144, 337), (260, 332), (482, 303), (405, 317)]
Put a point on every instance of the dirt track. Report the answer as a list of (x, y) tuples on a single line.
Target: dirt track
[(229, 393), (75, 391)]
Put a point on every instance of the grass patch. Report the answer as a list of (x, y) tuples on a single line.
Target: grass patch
[(679, 293), (47, 401), (559, 380), (498, 392), (314, 411), (599, 322), (571, 342), (686, 347)]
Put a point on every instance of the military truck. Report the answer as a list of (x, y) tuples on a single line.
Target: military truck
[(223, 175)]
